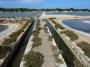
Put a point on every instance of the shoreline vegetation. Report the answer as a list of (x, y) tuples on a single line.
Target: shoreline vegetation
[(28, 9), (12, 38)]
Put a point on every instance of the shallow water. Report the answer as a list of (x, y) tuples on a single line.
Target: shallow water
[(3, 27), (80, 25), (70, 13), (18, 14)]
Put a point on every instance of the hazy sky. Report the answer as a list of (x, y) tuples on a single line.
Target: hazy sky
[(45, 3)]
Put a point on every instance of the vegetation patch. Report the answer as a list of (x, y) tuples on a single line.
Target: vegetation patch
[(85, 47), (50, 38), (33, 59), (56, 54), (71, 34), (36, 40), (57, 25), (77, 63), (3, 51), (45, 30)]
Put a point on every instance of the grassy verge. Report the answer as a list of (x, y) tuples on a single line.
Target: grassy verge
[(85, 47), (55, 51), (77, 63), (3, 51), (36, 40), (71, 34), (50, 38), (56, 25), (56, 54), (33, 59), (45, 30)]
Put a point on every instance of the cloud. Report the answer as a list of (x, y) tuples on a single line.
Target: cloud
[(23, 1), (33, 1)]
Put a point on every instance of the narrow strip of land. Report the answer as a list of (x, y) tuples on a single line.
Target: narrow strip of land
[(45, 48)]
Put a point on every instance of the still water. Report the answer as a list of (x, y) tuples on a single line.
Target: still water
[(3, 27), (69, 13), (81, 24), (18, 14)]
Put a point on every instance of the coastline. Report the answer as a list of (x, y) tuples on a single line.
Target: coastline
[(82, 35)]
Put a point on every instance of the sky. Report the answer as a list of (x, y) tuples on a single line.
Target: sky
[(45, 4)]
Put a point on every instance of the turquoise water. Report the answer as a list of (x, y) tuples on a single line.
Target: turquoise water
[(70, 13), (80, 24)]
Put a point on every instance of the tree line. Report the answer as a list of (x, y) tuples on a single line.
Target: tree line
[(28, 9)]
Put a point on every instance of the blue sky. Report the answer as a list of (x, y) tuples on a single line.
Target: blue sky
[(45, 3)]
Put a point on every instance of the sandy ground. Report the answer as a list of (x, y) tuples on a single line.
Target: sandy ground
[(43, 16), (46, 49), (11, 28)]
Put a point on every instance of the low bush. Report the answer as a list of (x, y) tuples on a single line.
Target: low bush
[(45, 30), (56, 54), (50, 38), (33, 59), (85, 47), (71, 34), (57, 25), (36, 40), (3, 51)]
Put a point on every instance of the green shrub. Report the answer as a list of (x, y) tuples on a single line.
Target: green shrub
[(85, 47), (33, 59), (35, 32), (56, 54), (36, 40), (45, 30), (71, 34), (57, 25), (3, 51), (50, 38)]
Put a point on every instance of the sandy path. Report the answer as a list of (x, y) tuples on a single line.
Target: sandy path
[(45, 49)]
